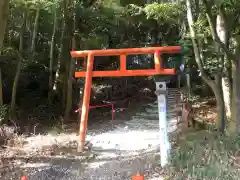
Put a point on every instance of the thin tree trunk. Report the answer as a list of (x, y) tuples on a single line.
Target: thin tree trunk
[(229, 79), (235, 121), (232, 126), (69, 86), (222, 34), (34, 34), (18, 68), (50, 82), (60, 55), (1, 87), (218, 92), (4, 7), (65, 61), (7, 40), (61, 65), (29, 30), (227, 95), (64, 55), (14, 88)]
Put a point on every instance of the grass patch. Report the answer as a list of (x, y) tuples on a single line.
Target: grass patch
[(205, 155)]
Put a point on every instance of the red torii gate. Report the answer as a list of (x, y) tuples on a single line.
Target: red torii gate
[(158, 70)]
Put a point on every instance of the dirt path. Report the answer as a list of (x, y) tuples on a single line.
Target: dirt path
[(119, 149)]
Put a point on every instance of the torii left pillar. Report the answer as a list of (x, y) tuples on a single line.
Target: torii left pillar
[(90, 54)]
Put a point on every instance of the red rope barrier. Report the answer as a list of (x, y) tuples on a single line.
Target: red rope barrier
[(97, 106)]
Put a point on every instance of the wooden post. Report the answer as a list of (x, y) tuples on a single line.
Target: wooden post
[(85, 105), (157, 61)]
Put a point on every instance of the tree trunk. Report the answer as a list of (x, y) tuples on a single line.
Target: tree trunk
[(232, 125), (64, 55), (69, 85), (221, 114), (234, 57), (60, 55), (71, 28), (221, 30), (14, 88), (214, 85), (65, 61), (1, 87), (235, 121), (29, 30), (4, 6), (18, 68), (229, 80), (34, 34), (221, 122), (7, 39), (51, 58), (226, 86), (237, 96)]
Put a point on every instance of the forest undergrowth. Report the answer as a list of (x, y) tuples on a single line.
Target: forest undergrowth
[(204, 153)]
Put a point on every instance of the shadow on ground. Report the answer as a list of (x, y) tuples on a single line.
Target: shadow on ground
[(82, 167)]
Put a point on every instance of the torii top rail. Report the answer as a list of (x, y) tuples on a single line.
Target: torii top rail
[(158, 70)]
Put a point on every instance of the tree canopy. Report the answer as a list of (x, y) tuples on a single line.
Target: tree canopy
[(38, 36)]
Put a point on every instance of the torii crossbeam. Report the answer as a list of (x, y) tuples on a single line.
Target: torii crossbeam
[(90, 54)]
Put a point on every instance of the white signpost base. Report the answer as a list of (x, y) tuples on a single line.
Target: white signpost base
[(165, 146)]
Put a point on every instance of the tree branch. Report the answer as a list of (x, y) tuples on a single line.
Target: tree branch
[(215, 37), (196, 45)]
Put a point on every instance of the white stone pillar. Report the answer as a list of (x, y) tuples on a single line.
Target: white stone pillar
[(161, 92)]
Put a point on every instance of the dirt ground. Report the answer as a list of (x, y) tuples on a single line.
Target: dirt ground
[(118, 149)]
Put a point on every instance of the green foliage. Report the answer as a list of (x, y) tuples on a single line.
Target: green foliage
[(210, 54), (202, 28), (99, 24), (136, 2), (164, 12)]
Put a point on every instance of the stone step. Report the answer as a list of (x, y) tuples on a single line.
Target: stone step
[(139, 126), (170, 108), (174, 104), (154, 118), (150, 111)]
